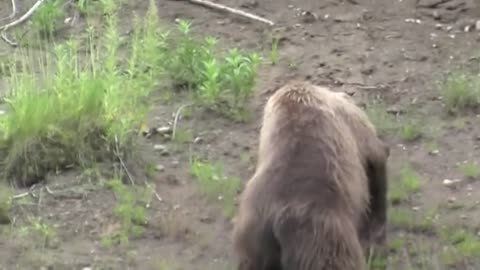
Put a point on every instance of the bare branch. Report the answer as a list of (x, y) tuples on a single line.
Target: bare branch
[(242, 13)]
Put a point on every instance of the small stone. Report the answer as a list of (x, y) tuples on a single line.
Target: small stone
[(86, 268), (164, 130), (309, 17), (434, 152), (448, 182), (162, 149), (159, 147), (477, 25), (469, 188), (463, 216), (436, 15), (206, 220), (395, 110), (415, 208), (160, 168), (452, 199), (198, 140)]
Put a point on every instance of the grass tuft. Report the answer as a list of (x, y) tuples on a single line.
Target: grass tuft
[(47, 16), (470, 170), (74, 112), (220, 81), (461, 90), (406, 183), (130, 214), (216, 185)]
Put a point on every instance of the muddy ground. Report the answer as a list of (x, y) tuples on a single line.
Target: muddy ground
[(370, 47)]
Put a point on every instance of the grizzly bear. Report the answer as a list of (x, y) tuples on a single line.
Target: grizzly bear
[(318, 194)]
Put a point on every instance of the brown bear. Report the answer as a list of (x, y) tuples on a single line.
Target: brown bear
[(318, 195)]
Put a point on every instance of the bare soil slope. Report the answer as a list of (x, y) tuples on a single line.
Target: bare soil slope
[(395, 51)]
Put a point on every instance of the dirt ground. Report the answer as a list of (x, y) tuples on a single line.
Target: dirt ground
[(372, 48)]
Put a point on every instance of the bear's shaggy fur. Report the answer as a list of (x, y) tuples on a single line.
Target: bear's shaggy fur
[(319, 189)]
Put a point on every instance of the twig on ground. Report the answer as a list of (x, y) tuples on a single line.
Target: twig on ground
[(14, 12), (117, 153), (177, 114), (21, 195), (7, 40), (431, 4), (20, 20), (220, 7), (49, 191), (24, 194), (154, 191)]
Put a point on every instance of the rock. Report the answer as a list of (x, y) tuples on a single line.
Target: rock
[(160, 168), (448, 182), (395, 110), (434, 152), (477, 25), (164, 130), (206, 220), (308, 17), (162, 149), (175, 163), (198, 140), (452, 199)]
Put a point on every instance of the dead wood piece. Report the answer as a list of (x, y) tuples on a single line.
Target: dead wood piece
[(220, 7)]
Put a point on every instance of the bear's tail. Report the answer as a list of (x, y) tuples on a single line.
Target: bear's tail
[(325, 242)]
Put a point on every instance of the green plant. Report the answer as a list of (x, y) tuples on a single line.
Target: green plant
[(47, 16), (5, 203), (216, 80), (74, 112), (216, 185), (406, 183), (84, 6), (128, 211), (239, 75), (470, 170), (274, 55), (38, 229), (405, 219), (110, 7), (381, 119), (464, 245), (461, 90), (410, 129)]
